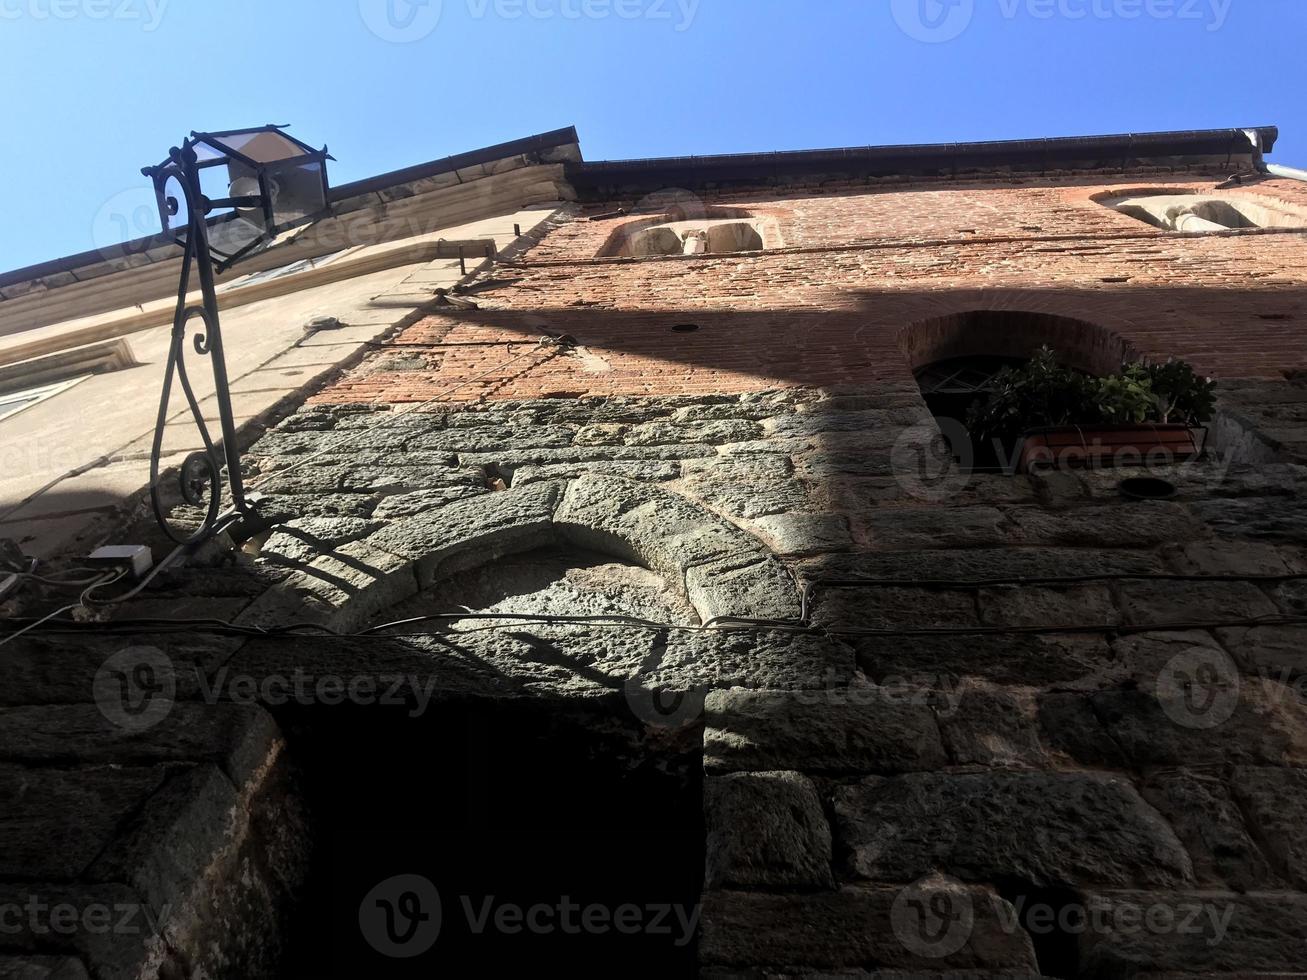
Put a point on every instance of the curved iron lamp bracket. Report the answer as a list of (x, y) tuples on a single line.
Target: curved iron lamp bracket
[(206, 476)]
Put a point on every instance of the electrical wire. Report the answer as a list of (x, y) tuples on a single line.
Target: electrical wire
[(103, 580), (508, 621)]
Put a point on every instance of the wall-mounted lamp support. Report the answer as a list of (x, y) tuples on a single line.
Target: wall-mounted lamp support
[(291, 178)]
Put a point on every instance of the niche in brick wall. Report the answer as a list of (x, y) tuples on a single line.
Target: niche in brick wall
[(528, 785), (702, 231), (956, 360), (1181, 209)]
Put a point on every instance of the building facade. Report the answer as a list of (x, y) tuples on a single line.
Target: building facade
[(625, 608)]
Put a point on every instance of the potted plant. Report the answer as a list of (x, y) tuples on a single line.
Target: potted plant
[(1057, 416)]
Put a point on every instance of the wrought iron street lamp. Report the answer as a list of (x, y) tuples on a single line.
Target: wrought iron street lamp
[(264, 184)]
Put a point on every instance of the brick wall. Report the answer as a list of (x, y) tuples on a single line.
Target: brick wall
[(826, 310)]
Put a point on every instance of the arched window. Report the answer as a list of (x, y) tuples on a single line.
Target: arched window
[(956, 360)]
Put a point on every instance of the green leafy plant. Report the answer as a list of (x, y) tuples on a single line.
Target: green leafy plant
[(1044, 393), (1126, 398), (1039, 393), (1182, 395)]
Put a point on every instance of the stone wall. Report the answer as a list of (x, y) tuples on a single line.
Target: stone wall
[(951, 724)]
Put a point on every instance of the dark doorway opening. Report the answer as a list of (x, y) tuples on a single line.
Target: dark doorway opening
[(1055, 919), (557, 841)]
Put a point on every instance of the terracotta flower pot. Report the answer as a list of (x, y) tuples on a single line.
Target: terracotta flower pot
[(1097, 446)]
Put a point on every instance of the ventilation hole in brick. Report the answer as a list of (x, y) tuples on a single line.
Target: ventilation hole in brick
[(1275, 316), (1117, 278), (685, 328), (1055, 918)]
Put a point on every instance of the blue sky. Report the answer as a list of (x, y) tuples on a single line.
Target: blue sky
[(98, 88)]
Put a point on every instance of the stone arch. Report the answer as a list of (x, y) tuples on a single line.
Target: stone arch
[(1082, 344), (723, 570)]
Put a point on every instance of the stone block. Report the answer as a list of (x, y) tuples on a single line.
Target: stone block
[(850, 729), (766, 830), (1048, 606), (750, 659), (1210, 825), (1048, 829), (1138, 525), (988, 727), (808, 935), (1018, 659), (484, 527), (1153, 935), (1275, 801), (55, 822), (800, 535), (1158, 603), (903, 528)]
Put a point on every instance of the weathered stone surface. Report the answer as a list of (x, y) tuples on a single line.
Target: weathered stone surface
[(972, 564), (645, 471), (766, 830), (901, 528), (1076, 605), (1264, 518), (1043, 828), (711, 433), (1275, 801), (1229, 558), (108, 927), (1166, 603), (989, 727), (804, 534), (238, 738), (424, 501), (752, 589), (1256, 723), (301, 541), (1278, 652), (753, 659), (485, 527), (1194, 934), (42, 968), (63, 669), (870, 420), (857, 927), (340, 590), (1027, 660), (1208, 822), (658, 529), (1134, 526), (840, 729), (894, 607), (54, 822), (165, 848)]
